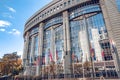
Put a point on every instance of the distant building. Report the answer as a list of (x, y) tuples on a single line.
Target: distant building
[(71, 32)]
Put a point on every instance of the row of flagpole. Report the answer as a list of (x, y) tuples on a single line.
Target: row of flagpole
[(73, 56), (50, 56)]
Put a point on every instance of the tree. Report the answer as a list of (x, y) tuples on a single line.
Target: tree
[(10, 63)]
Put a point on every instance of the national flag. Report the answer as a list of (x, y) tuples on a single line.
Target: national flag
[(35, 63), (38, 61), (73, 56), (50, 55), (43, 60), (103, 54), (112, 46), (92, 52)]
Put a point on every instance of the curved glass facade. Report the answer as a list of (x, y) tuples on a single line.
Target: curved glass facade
[(72, 38), (96, 32)]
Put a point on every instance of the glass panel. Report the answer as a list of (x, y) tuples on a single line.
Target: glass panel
[(29, 49), (46, 45), (83, 10), (36, 48), (53, 21), (34, 30), (59, 44), (74, 32), (90, 33)]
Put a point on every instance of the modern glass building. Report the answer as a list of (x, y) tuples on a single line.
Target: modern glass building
[(69, 33)]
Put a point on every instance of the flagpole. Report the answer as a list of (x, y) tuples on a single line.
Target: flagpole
[(73, 65), (73, 55), (87, 34), (83, 66)]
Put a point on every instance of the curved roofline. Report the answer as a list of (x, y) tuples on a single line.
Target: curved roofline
[(50, 6), (42, 9)]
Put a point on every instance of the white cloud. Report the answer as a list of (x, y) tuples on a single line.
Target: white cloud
[(11, 9), (2, 30), (20, 53), (7, 15), (4, 23), (15, 32)]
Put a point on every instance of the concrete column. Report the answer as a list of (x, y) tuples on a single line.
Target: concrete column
[(40, 48), (26, 43), (67, 47), (53, 43)]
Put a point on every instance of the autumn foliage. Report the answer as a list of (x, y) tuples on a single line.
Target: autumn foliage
[(10, 64)]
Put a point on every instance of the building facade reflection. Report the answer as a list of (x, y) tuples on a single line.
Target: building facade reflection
[(71, 33)]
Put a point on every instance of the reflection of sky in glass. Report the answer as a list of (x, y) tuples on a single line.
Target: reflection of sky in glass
[(84, 10), (46, 45), (95, 22), (74, 30), (36, 47), (29, 49), (59, 42)]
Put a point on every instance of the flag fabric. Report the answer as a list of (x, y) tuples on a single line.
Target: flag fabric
[(92, 52), (38, 61), (112, 46), (103, 54), (50, 55), (73, 56), (35, 63), (43, 60)]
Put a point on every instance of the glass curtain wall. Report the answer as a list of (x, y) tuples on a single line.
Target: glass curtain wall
[(36, 48), (59, 44), (29, 50), (74, 35), (97, 33), (33, 46), (46, 46)]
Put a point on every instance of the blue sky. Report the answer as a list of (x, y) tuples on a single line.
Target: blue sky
[(13, 15)]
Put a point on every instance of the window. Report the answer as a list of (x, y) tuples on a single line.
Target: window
[(68, 2), (64, 3), (53, 21), (46, 45), (60, 5), (57, 7), (83, 10), (34, 31), (36, 48), (54, 9), (59, 43), (51, 10)]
